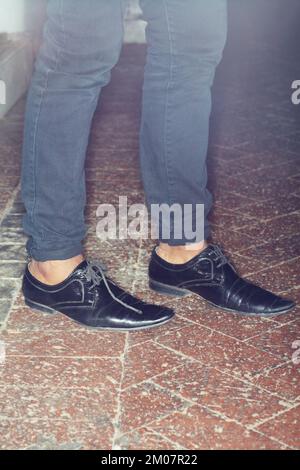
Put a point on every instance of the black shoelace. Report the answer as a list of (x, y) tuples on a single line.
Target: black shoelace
[(94, 273), (220, 258)]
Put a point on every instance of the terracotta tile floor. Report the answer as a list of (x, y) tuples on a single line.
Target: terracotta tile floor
[(209, 379)]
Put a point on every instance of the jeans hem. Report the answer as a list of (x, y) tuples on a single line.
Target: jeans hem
[(51, 255), (184, 241)]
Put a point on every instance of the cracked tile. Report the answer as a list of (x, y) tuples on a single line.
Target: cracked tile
[(221, 393), (200, 429), (285, 427)]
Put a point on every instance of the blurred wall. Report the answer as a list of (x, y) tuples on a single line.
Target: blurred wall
[(11, 16), (21, 15), (24, 17)]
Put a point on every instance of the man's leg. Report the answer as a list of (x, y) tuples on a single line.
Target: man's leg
[(185, 44), (82, 42)]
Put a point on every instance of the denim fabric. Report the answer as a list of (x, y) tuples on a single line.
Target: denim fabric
[(82, 42)]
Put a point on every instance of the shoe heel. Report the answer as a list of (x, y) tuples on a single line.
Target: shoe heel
[(39, 308), (165, 289)]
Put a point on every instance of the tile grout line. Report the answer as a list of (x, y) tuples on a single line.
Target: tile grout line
[(65, 356), (162, 417), (190, 404), (221, 415), (228, 373), (118, 415), (267, 320), (267, 332), (212, 330), (10, 203), (224, 417), (279, 413)]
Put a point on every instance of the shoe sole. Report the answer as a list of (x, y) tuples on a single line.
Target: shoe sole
[(172, 291), (50, 311)]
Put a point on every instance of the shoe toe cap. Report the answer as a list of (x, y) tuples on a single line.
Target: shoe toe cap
[(281, 305), (155, 314)]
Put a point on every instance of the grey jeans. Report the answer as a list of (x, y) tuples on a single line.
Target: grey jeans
[(81, 44)]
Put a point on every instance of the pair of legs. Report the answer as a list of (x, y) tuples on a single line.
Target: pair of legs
[(82, 43)]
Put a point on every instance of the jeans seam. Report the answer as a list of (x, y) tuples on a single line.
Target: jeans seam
[(46, 83), (166, 120)]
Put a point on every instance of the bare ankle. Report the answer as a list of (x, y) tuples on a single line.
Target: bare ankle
[(180, 254), (54, 271)]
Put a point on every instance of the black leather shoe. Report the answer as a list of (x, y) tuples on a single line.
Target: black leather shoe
[(93, 300), (213, 278)]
